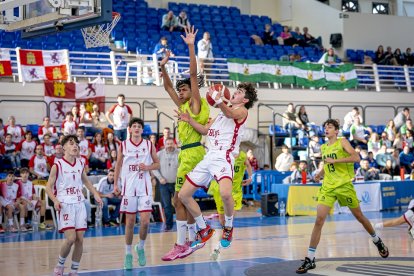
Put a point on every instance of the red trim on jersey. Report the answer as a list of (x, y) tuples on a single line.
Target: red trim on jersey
[(128, 108), (146, 187), (64, 229), (111, 110), (139, 143), (192, 182), (124, 186), (125, 212), (407, 221), (81, 229), (72, 165), (145, 211), (56, 178)]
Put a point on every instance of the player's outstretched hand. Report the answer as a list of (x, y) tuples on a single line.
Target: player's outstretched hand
[(247, 182), (190, 35), (182, 116), (116, 190), (166, 58)]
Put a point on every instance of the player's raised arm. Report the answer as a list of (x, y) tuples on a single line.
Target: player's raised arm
[(168, 85), (185, 117), (189, 39)]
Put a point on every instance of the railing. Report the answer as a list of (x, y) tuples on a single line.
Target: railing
[(112, 67)]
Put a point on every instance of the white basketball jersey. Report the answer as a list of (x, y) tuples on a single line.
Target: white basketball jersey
[(9, 193), (224, 134), (83, 147), (134, 181), (27, 189), (68, 184)]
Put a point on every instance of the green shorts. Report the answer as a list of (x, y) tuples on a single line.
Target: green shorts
[(345, 194), (215, 191), (187, 160)]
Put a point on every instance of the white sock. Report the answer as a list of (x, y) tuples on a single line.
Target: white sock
[(379, 225), (21, 221), (74, 268), (141, 244), (61, 261), (191, 231), (375, 238), (228, 221), (201, 223), (10, 222), (181, 231), (311, 253), (128, 249)]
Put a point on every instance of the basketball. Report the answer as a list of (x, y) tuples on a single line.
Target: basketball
[(225, 94)]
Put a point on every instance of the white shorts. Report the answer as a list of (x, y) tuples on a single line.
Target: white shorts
[(134, 204), (72, 216), (35, 205), (409, 217), (214, 165)]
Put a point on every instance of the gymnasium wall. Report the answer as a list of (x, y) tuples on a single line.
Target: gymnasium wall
[(27, 112)]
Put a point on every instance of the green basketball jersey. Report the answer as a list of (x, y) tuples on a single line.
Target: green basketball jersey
[(339, 173), (186, 133), (239, 169)]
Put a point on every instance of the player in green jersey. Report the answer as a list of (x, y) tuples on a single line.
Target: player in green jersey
[(339, 158), (188, 99)]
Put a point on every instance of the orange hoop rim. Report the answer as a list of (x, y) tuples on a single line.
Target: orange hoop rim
[(115, 14)]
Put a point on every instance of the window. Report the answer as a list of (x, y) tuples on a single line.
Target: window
[(380, 8), (350, 5)]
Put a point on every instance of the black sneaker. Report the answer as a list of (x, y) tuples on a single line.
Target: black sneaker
[(382, 249), (307, 264)]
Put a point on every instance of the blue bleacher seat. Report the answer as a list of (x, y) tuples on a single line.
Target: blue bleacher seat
[(34, 128)]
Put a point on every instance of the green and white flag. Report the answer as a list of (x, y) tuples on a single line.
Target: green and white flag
[(341, 77), (260, 71), (309, 74)]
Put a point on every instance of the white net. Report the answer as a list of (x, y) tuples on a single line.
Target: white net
[(98, 36)]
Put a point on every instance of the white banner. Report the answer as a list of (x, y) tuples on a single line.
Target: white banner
[(369, 196)]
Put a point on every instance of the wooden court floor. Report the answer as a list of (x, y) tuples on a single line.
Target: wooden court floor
[(254, 237)]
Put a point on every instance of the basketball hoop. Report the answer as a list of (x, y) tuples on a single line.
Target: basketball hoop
[(98, 36)]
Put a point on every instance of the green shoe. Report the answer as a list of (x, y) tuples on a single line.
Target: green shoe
[(128, 262), (142, 261)]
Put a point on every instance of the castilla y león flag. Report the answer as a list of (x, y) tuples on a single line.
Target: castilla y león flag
[(63, 96), (5, 63), (43, 65)]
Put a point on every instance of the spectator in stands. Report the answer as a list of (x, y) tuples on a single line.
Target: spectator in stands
[(153, 139), (2, 137), (266, 167), (205, 51), (169, 22), (120, 117), (47, 128), (10, 152), (182, 21), (390, 130), (408, 126), (39, 165), (408, 57), (310, 40), (317, 171), (296, 176), (398, 142), (298, 36), (350, 118), (26, 149), (9, 192), (284, 160), (367, 172), (291, 122), (161, 48), (75, 113), (382, 156), (390, 169), (329, 57), (58, 155), (85, 120), (287, 37), (374, 143), (396, 157), (15, 130), (69, 126), (408, 139), (84, 144), (295, 57), (371, 160), (111, 162), (401, 118), (111, 143), (303, 119), (167, 175), (406, 159), (399, 57), (358, 136), (99, 154), (48, 147), (268, 36), (315, 153), (166, 135), (252, 160), (29, 200), (106, 192), (385, 141), (380, 57)]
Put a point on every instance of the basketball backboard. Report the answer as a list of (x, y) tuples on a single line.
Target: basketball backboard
[(36, 18)]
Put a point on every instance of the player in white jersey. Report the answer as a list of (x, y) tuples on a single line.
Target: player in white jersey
[(64, 188), (407, 217), (136, 158), (223, 133), (9, 193)]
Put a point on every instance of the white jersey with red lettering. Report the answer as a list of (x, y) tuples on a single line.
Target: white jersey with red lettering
[(26, 149), (16, 132), (27, 189), (68, 185), (9, 193), (225, 134), (134, 181), (48, 150), (39, 165), (120, 116), (84, 145)]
